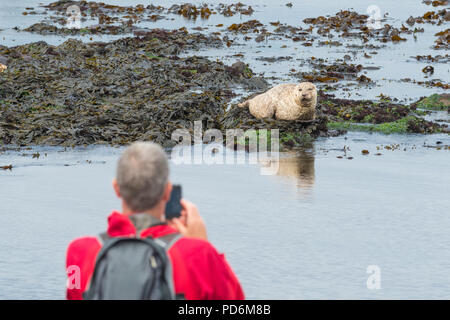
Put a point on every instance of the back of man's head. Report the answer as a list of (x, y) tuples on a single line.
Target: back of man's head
[(142, 175)]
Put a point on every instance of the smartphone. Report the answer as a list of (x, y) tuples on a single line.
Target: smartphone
[(173, 207)]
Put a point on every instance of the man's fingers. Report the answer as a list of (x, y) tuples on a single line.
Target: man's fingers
[(194, 226), (185, 204), (177, 224)]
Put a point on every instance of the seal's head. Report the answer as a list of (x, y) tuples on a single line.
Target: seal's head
[(3, 67), (73, 11), (307, 94)]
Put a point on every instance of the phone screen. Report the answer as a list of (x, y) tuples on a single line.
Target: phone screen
[(173, 207)]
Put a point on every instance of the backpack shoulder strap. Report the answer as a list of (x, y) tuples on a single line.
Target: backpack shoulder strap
[(103, 237), (168, 240)]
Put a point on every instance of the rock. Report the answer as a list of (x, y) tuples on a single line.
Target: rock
[(434, 102), (411, 21), (4, 60), (237, 69)]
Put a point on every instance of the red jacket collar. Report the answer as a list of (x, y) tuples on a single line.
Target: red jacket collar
[(120, 225)]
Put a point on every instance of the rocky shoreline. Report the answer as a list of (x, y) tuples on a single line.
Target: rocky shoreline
[(130, 89), (139, 88)]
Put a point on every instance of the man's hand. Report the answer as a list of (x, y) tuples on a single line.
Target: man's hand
[(190, 224)]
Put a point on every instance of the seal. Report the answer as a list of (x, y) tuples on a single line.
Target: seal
[(290, 101), (3, 67)]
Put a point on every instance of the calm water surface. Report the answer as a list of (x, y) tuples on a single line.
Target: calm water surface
[(308, 232)]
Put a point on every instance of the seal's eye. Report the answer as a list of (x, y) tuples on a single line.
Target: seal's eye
[(300, 89), (310, 89)]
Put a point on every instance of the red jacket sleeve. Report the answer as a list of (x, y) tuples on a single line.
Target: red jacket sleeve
[(230, 288), (201, 273), (80, 262)]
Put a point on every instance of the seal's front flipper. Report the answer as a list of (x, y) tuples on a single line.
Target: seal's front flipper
[(243, 104)]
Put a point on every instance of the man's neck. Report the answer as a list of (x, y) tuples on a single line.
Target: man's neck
[(142, 221), (157, 212)]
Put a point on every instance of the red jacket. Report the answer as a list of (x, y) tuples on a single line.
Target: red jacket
[(199, 271)]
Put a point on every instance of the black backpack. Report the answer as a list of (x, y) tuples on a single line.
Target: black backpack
[(133, 269)]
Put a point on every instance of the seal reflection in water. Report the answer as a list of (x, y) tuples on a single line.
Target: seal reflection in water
[(300, 166), (289, 101), (3, 67)]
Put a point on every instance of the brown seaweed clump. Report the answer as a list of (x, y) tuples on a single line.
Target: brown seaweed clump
[(291, 133), (443, 40), (336, 71), (385, 115), (116, 92), (350, 24), (48, 29)]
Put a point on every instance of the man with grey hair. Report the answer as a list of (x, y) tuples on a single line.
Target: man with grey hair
[(142, 176), (142, 183)]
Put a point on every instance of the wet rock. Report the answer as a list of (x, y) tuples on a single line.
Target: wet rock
[(338, 70), (230, 10), (434, 102), (292, 133), (428, 69), (191, 11), (411, 21), (383, 116), (242, 71), (255, 83), (443, 40), (245, 27), (437, 58), (447, 16), (274, 59), (47, 29), (239, 69), (434, 83), (4, 60), (436, 3), (350, 24)]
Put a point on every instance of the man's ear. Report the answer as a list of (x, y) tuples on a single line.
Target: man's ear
[(116, 188), (167, 192)]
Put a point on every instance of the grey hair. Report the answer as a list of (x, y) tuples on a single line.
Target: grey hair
[(142, 175)]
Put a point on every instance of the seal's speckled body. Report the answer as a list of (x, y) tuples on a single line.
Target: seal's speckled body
[(290, 101)]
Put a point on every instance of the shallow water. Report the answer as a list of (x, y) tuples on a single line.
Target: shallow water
[(395, 60), (309, 232)]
